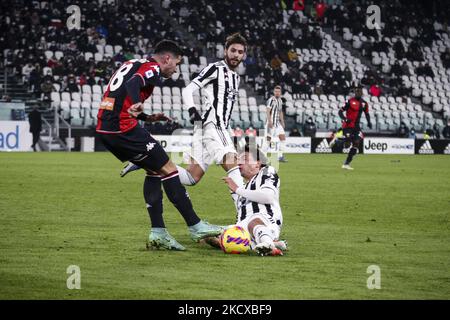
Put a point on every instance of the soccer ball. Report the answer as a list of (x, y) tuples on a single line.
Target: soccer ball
[(235, 240)]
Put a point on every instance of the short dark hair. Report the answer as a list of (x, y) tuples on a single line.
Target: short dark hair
[(257, 154), (235, 38), (168, 46)]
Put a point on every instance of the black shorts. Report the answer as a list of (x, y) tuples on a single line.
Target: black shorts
[(137, 146), (352, 134)]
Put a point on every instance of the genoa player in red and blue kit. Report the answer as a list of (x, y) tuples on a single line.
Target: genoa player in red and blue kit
[(118, 129), (353, 135)]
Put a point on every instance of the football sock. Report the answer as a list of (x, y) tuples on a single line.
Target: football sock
[(185, 177), (262, 233), (350, 156), (154, 200), (280, 149), (178, 195)]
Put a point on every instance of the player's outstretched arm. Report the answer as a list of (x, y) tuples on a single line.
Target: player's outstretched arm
[(263, 196)]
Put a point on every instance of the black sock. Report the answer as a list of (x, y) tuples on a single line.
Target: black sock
[(351, 153), (154, 200), (179, 197)]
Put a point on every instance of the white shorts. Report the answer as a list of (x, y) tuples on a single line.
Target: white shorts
[(276, 131), (270, 222), (211, 144)]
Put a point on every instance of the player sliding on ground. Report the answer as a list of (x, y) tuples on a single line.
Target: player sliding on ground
[(259, 209), (351, 124), (212, 134), (120, 133)]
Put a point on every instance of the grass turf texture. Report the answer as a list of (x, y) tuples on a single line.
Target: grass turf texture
[(61, 209)]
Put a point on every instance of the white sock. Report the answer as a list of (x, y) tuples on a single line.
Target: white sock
[(235, 175), (281, 148), (261, 233), (185, 177)]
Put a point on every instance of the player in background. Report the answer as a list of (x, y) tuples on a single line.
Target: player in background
[(117, 127), (212, 132), (353, 135), (259, 208), (275, 123)]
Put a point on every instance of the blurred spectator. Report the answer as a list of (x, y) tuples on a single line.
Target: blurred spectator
[(424, 70), (437, 133), (298, 5), (446, 130), (26, 71), (295, 133), (403, 130), (320, 10), (46, 89), (238, 132), (375, 90), (276, 62), (412, 134), (251, 132), (428, 134), (445, 57), (309, 128)]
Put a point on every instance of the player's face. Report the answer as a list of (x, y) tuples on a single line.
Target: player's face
[(234, 55), (358, 93), (277, 93), (248, 165), (170, 65)]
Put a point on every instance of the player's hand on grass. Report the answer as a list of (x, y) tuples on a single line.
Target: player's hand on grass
[(136, 109), (233, 186), (194, 115), (159, 117)]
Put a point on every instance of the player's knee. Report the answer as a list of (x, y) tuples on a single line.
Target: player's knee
[(253, 224)]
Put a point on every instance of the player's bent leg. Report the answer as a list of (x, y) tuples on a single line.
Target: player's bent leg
[(178, 195), (192, 175), (263, 237), (351, 154)]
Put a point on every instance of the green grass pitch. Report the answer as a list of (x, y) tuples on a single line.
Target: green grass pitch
[(61, 209)]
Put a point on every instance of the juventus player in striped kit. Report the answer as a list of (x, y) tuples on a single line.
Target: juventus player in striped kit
[(259, 208), (212, 132), (275, 123)]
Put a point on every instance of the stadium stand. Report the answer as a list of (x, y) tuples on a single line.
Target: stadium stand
[(294, 48)]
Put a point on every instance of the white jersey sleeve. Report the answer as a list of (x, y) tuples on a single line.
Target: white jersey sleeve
[(206, 75)]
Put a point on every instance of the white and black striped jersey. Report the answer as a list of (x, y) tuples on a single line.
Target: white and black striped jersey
[(221, 85), (267, 177), (276, 107)]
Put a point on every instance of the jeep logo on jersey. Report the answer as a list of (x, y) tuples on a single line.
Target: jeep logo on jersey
[(323, 147), (426, 148)]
